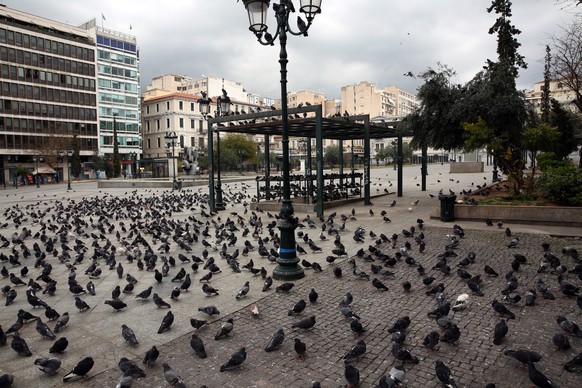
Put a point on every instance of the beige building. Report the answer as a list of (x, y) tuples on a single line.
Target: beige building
[(558, 91)]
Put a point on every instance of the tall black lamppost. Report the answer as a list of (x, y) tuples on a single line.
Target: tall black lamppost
[(36, 159), (171, 138), (133, 158), (288, 264), (222, 108), (68, 154)]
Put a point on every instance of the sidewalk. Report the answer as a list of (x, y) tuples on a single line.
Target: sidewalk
[(473, 362)]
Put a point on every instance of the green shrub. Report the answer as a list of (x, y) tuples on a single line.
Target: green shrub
[(562, 185), (548, 160)]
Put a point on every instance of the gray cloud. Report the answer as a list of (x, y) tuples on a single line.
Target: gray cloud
[(365, 40)]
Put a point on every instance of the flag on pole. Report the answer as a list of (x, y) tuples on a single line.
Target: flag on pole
[(103, 16)]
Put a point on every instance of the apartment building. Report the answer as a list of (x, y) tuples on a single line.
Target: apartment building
[(62, 82), (118, 94), (558, 91)]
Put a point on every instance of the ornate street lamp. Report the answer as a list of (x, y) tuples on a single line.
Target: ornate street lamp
[(288, 264), (171, 138), (37, 159), (68, 154), (222, 108)]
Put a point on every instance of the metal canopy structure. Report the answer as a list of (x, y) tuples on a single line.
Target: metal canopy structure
[(337, 128), (269, 123)]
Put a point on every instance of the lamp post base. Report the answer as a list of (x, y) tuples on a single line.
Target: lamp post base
[(219, 204), (69, 186), (288, 267)]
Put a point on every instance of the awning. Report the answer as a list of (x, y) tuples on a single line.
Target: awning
[(44, 170)]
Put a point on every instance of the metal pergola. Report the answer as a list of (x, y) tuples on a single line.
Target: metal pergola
[(268, 123)]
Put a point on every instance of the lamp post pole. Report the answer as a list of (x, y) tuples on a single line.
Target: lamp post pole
[(69, 155), (287, 263), (171, 141), (36, 159)]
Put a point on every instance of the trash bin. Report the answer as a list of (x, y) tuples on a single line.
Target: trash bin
[(177, 185), (447, 207)]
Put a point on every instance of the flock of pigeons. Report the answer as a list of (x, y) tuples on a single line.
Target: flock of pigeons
[(150, 241)]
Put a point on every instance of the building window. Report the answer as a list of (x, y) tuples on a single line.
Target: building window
[(192, 141), (181, 105), (168, 123), (192, 106), (192, 122), (181, 122), (159, 142), (157, 107), (167, 105), (148, 109), (158, 125), (149, 143)]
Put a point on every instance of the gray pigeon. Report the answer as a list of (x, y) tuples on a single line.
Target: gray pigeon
[(20, 346), (276, 340), (198, 346), (44, 330), (172, 377), (235, 360), (305, 323), (128, 335), (209, 310), (48, 365), (243, 291), (166, 322), (62, 321), (355, 353), (225, 329)]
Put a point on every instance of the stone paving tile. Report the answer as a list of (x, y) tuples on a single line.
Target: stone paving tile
[(474, 361)]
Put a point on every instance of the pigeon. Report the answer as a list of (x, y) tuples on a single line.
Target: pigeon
[(235, 360), (285, 287), (225, 329), (451, 334), (80, 370), (198, 346), (267, 284), (431, 340), (569, 327), (500, 331), (166, 322), (561, 341), (172, 377), (443, 373), (355, 353), (243, 291), (59, 346), (379, 285), (460, 303), (160, 302), (300, 348), (400, 324), (44, 330), (6, 380), (209, 310), (130, 368), (538, 378), (502, 310), (81, 304), (125, 381), (523, 355), (62, 322), (313, 295), (116, 304), (305, 323), (209, 290), (574, 364), (276, 340), (352, 376), (402, 354), (145, 294), (490, 271), (151, 356), (48, 365), (20, 346), (298, 308), (128, 335), (397, 373)]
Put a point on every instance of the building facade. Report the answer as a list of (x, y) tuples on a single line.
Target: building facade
[(63, 87), (558, 91), (118, 94)]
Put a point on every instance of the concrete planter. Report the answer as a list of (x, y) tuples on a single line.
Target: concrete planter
[(464, 167), (534, 215)]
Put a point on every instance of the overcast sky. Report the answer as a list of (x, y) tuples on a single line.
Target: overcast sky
[(350, 41)]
